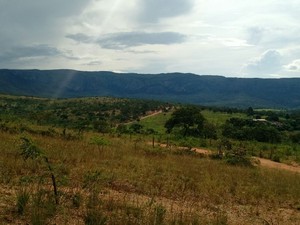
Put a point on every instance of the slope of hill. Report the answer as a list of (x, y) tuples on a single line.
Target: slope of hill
[(177, 87)]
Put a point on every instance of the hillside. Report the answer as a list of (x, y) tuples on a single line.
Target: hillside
[(110, 161), (176, 87)]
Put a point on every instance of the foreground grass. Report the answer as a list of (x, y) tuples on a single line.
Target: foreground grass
[(129, 182)]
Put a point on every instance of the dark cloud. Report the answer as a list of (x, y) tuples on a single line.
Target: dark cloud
[(268, 63), (79, 37), (30, 12), (32, 20), (131, 39), (23, 52), (154, 10), (293, 67)]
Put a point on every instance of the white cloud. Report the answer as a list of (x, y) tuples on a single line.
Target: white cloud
[(269, 63), (229, 42), (204, 37), (93, 63)]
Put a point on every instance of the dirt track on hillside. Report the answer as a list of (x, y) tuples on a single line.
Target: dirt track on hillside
[(275, 165), (262, 162), (152, 114), (144, 117)]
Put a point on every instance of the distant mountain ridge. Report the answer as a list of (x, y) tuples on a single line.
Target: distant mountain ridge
[(175, 87)]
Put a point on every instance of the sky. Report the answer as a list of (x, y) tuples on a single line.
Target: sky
[(233, 38)]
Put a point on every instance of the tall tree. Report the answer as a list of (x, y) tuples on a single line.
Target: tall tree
[(188, 119)]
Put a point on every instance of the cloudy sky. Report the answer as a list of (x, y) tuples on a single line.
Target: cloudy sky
[(235, 38)]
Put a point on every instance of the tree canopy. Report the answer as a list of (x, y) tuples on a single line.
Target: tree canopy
[(188, 119)]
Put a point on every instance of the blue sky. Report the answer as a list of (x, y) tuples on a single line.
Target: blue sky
[(235, 38)]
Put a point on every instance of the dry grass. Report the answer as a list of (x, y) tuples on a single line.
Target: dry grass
[(129, 182)]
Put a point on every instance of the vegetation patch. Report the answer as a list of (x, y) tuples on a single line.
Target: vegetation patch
[(129, 175)]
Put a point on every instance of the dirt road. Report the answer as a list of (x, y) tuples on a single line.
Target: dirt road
[(144, 117), (263, 162), (152, 114), (275, 165)]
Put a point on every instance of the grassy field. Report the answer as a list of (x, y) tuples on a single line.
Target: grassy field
[(129, 182), (285, 152), (156, 122), (120, 178), (219, 118)]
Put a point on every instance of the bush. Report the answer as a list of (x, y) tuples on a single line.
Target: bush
[(237, 157), (94, 217), (276, 158), (159, 215), (22, 201), (43, 207), (77, 200)]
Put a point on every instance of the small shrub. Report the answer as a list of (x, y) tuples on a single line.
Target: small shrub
[(37, 218), (99, 141), (155, 152), (44, 207), (22, 201), (203, 143), (95, 217), (220, 219), (132, 211), (5, 173), (77, 200), (31, 151), (237, 157), (97, 179), (183, 219), (216, 156), (276, 158), (159, 215)]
